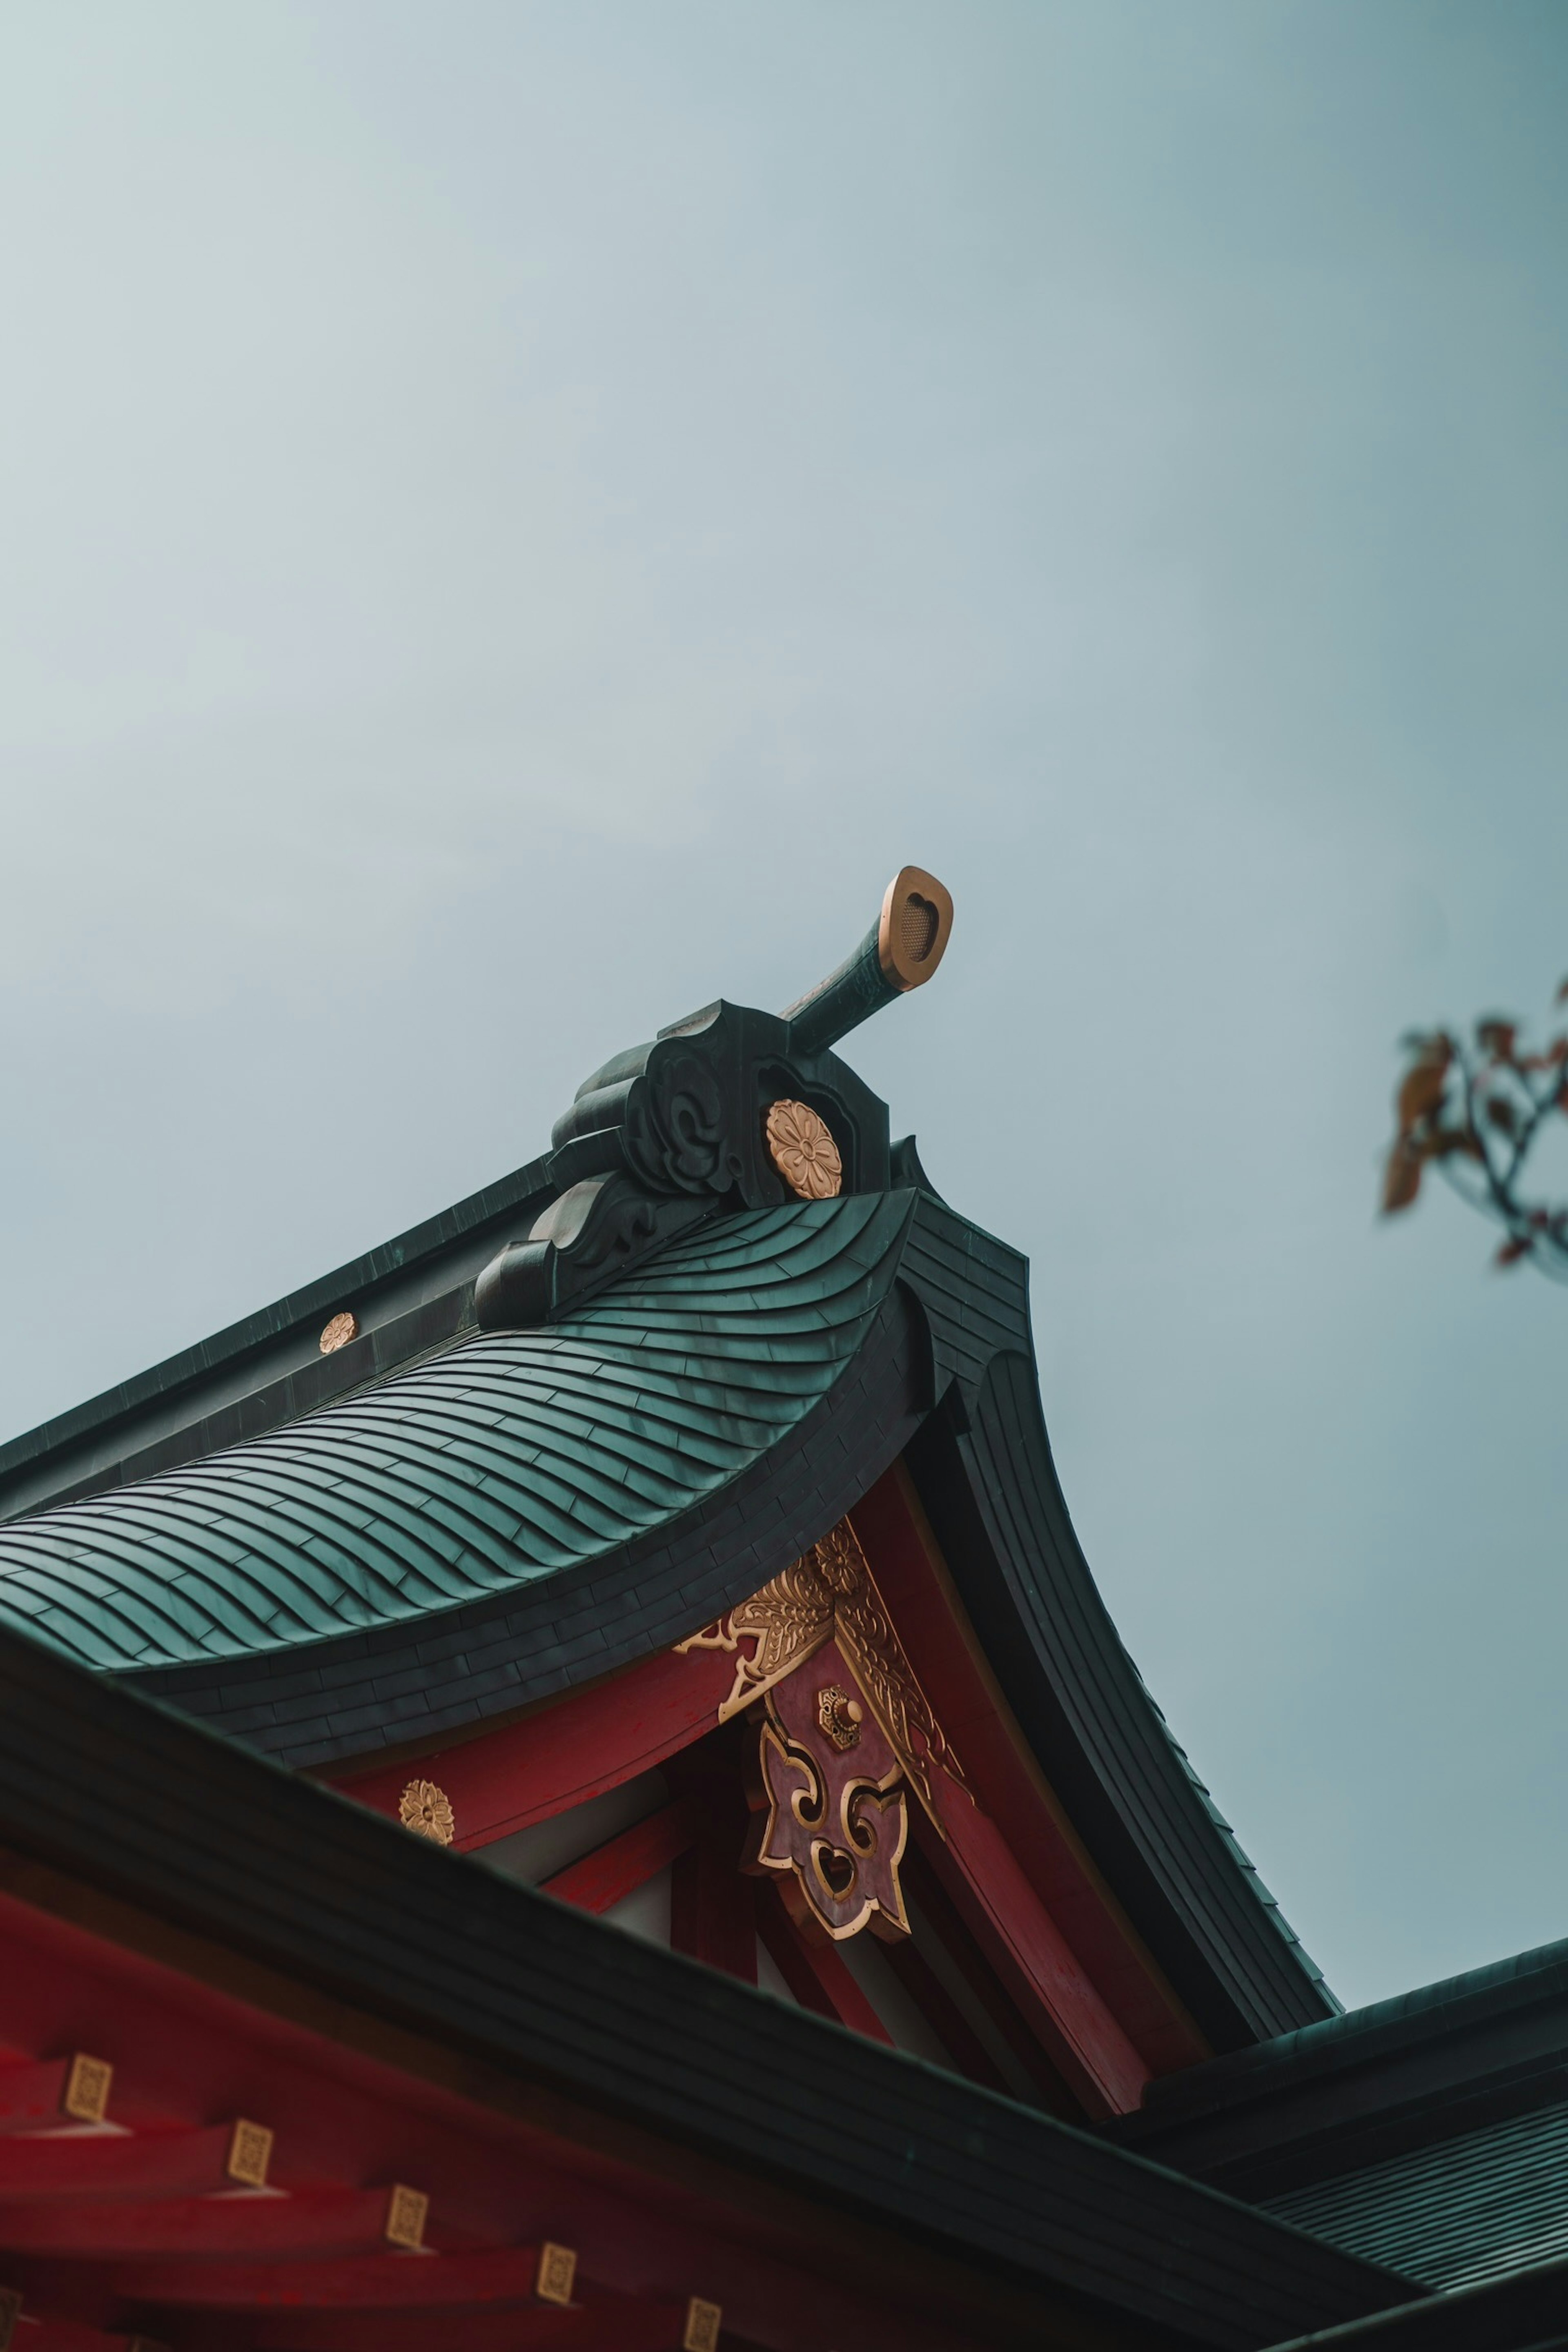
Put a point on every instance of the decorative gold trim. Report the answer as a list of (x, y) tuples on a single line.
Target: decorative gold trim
[(801, 1146), (839, 1715), (830, 1591), (405, 2213), (339, 1332), (428, 1811), (847, 1876), (556, 2274), (86, 2094), (704, 2321), (249, 2154), (914, 927)]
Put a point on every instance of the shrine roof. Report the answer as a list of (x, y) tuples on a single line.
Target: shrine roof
[(182, 1853), (582, 1414)]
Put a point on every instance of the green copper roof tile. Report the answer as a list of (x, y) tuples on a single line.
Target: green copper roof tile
[(1482, 2206), (510, 1456)]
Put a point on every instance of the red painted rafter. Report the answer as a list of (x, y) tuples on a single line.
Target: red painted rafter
[(625, 2324), (616, 1869), (498, 2276), (262, 2225), (33, 2098), (814, 1970), (94, 2164), (185, 2047)]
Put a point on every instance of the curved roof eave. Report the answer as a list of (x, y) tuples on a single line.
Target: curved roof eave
[(524, 1510)]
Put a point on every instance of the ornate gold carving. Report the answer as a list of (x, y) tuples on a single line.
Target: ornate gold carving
[(406, 2212), (704, 2321), (556, 2274), (835, 1836), (830, 1592), (339, 1332), (249, 2154), (788, 1619), (86, 2094), (840, 1715), (801, 1146), (428, 1811)]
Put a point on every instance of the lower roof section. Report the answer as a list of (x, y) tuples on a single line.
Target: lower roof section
[(521, 1512), (1429, 2132), (1522, 2315), (198, 1862), (1376, 2084)]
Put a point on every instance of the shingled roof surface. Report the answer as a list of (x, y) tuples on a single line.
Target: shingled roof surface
[(1486, 2205), (507, 1458)]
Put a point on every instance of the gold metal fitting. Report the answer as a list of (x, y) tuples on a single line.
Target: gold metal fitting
[(704, 2321), (556, 2274), (915, 927), (428, 1811), (86, 2093), (339, 1332), (249, 2154), (405, 2210)]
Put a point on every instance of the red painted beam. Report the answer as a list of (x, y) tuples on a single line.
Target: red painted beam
[(36, 2331), (588, 1741), (961, 1684), (814, 1971), (497, 2275), (263, 2224), (616, 1869), (618, 2324), (91, 2164), (53, 2095)]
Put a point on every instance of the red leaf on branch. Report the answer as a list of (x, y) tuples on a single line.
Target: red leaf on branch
[(1503, 1114), (1421, 1089), (1495, 1036), (1511, 1252), (1401, 1177)]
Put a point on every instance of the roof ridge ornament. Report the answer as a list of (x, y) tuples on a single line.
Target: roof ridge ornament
[(729, 1109)]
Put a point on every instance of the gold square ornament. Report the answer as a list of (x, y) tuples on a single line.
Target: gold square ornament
[(704, 2321), (406, 2212), (249, 2154), (86, 2093), (557, 2273)]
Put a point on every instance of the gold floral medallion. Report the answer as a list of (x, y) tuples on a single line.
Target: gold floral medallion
[(339, 1332), (428, 1811), (801, 1146)]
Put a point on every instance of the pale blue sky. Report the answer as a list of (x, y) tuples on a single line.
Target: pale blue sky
[(516, 520)]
